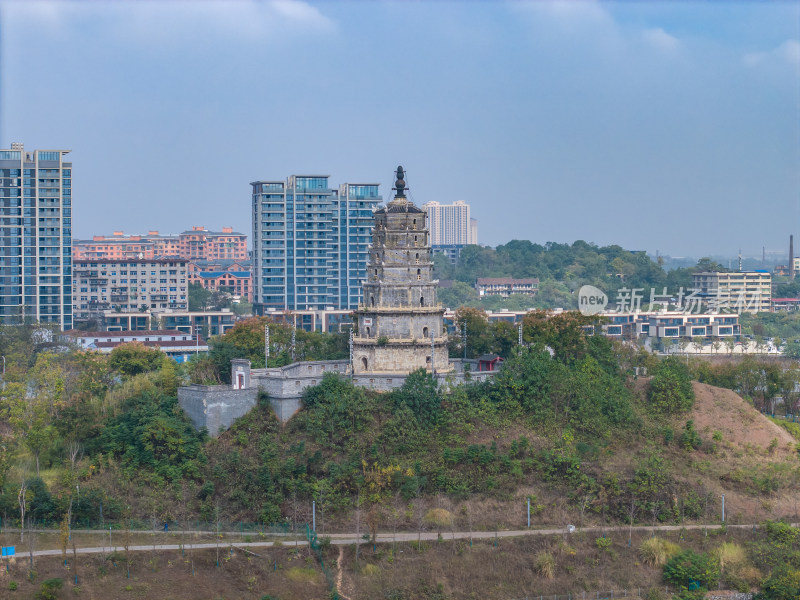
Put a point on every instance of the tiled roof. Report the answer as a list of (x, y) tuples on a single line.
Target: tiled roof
[(79, 333), (156, 344), (215, 274)]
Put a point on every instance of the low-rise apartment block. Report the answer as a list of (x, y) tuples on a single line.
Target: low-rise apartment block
[(734, 291), (505, 286), (233, 277), (206, 323), (128, 286)]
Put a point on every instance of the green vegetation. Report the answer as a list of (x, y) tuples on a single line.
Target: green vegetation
[(692, 570), (671, 387), (561, 269), (246, 340), (657, 551), (759, 381)]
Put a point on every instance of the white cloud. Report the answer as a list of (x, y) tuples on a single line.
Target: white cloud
[(660, 39), (150, 21), (301, 12), (788, 51)]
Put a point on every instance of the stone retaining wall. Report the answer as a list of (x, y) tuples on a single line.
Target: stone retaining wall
[(216, 407)]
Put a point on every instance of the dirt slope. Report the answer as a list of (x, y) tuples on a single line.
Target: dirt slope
[(725, 411)]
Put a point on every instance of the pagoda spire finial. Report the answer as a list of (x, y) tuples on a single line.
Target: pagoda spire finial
[(400, 184)]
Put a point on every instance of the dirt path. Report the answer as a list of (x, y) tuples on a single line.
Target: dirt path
[(345, 539), (340, 574)]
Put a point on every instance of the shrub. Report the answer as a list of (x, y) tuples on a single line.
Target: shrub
[(49, 589), (603, 543), (690, 439), (12, 585), (671, 388), (546, 564), (371, 570), (690, 569), (782, 584), (730, 555), (657, 551), (439, 518), (782, 535)]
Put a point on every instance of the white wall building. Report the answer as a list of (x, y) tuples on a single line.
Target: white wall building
[(451, 224)]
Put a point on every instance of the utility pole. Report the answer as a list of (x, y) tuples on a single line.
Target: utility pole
[(464, 337), (352, 366), (433, 354), (266, 345), (294, 331), (529, 513), (723, 508)]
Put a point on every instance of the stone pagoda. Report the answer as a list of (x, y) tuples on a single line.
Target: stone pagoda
[(400, 326)]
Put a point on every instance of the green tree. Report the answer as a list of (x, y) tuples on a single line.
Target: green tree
[(564, 332), (198, 297), (479, 336), (783, 583), (457, 295), (29, 416), (690, 569), (419, 393), (133, 358), (151, 432), (671, 387), (336, 412)]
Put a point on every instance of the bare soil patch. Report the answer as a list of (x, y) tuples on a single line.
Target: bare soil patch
[(723, 410)]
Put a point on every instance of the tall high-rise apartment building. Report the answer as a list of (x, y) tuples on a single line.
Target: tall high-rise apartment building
[(310, 242), (451, 227), (35, 236)]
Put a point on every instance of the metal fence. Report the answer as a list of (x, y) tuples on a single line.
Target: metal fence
[(148, 526), (599, 595)]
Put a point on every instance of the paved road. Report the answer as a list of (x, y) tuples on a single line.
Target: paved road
[(350, 538)]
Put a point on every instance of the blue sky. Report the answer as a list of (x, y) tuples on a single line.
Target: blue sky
[(658, 126)]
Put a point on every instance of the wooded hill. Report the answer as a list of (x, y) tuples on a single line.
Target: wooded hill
[(88, 435)]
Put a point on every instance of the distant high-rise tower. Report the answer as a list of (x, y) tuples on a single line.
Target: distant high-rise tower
[(451, 227), (310, 242), (35, 236)]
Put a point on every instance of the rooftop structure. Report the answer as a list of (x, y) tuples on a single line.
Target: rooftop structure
[(198, 243)]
